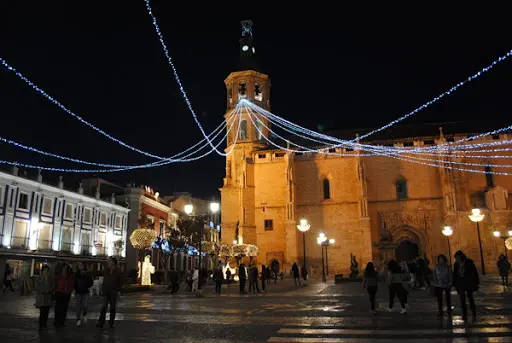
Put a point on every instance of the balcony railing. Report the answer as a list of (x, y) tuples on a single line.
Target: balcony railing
[(19, 242)]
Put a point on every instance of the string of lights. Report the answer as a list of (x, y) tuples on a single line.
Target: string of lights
[(175, 72), (149, 165), (378, 152), (68, 111)]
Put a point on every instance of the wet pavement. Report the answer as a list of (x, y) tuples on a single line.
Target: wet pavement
[(318, 313)]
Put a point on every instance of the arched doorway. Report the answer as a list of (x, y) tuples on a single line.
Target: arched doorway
[(407, 250), (274, 266)]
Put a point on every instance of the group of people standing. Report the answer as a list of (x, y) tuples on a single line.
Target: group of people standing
[(253, 276), (56, 289), (464, 277)]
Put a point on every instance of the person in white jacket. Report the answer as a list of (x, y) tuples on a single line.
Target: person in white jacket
[(195, 280)]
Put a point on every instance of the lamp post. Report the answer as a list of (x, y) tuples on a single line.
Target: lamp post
[(476, 216), (189, 208), (324, 243), (303, 227), (447, 231), (498, 234)]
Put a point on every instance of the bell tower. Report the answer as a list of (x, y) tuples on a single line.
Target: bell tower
[(249, 133)]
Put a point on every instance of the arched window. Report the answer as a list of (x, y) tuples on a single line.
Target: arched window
[(327, 189), (489, 177), (401, 189), (242, 90), (258, 93), (242, 134)]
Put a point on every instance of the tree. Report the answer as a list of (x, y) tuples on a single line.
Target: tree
[(211, 248), (239, 251), (141, 240), (172, 242), (225, 252)]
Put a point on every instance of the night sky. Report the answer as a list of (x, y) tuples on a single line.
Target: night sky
[(359, 69)]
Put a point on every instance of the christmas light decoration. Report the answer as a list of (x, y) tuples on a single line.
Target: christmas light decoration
[(142, 239), (176, 76)]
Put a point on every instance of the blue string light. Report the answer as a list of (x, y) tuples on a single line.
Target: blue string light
[(175, 72), (68, 111)]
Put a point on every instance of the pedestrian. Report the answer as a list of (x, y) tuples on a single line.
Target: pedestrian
[(242, 277), (44, 287), (228, 275), (250, 276), (503, 267), (421, 272), (64, 286), (174, 281), (83, 282), (370, 284), (195, 280), (8, 278), (268, 275), (218, 276), (295, 273), (263, 277), (111, 287), (466, 281), (253, 271), (395, 281), (189, 281), (304, 273), (442, 283)]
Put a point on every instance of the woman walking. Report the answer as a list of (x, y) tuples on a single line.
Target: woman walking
[(218, 277), (371, 283), (503, 267), (466, 281), (44, 294), (442, 283), (395, 281), (64, 285), (83, 282)]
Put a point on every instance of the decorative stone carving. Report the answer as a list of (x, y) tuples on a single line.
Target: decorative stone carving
[(496, 198), (394, 220)]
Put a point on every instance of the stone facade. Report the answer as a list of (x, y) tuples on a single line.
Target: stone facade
[(354, 199)]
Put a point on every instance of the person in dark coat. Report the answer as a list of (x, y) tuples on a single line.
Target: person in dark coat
[(466, 281), (218, 277), (503, 267), (64, 286), (295, 273), (242, 277), (112, 282), (263, 277), (83, 282)]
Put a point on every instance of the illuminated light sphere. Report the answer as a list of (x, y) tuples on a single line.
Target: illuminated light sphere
[(447, 231), (510, 233), (332, 241), (214, 207), (303, 226), (189, 208), (142, 239), (476, 215), (496, 234), (508, 243)]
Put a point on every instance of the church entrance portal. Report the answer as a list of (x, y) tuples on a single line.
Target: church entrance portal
[(274, 266), (406, 251)]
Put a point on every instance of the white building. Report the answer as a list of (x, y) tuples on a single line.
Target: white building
[(42, 222)]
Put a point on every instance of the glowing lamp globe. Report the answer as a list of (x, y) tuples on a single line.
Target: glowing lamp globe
[(321, 238), (188, 209), (496, 234), (303, 226), (447, 231), (332, 241), (510, 233), (476, 215), (214, 207)]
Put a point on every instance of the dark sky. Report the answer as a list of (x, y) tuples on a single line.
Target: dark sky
[(337, 68)]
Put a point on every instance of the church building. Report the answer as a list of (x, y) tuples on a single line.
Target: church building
[(374, 207)]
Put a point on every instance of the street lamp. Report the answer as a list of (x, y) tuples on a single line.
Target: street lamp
[(498, 234), (303, 227), (214, 207), (189, 208), (324, 243), (476, 216), (447, 231)]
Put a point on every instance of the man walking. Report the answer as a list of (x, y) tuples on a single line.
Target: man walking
[(112, 282)]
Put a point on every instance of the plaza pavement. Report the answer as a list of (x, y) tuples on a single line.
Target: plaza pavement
[(323, 313)]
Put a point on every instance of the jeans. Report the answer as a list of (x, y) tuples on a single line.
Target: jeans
[(82, 302), (439, 295), (218, 284), (372, 292), (43, 316), (462, 295), (61, 307), (398, 290), (109, 298)]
